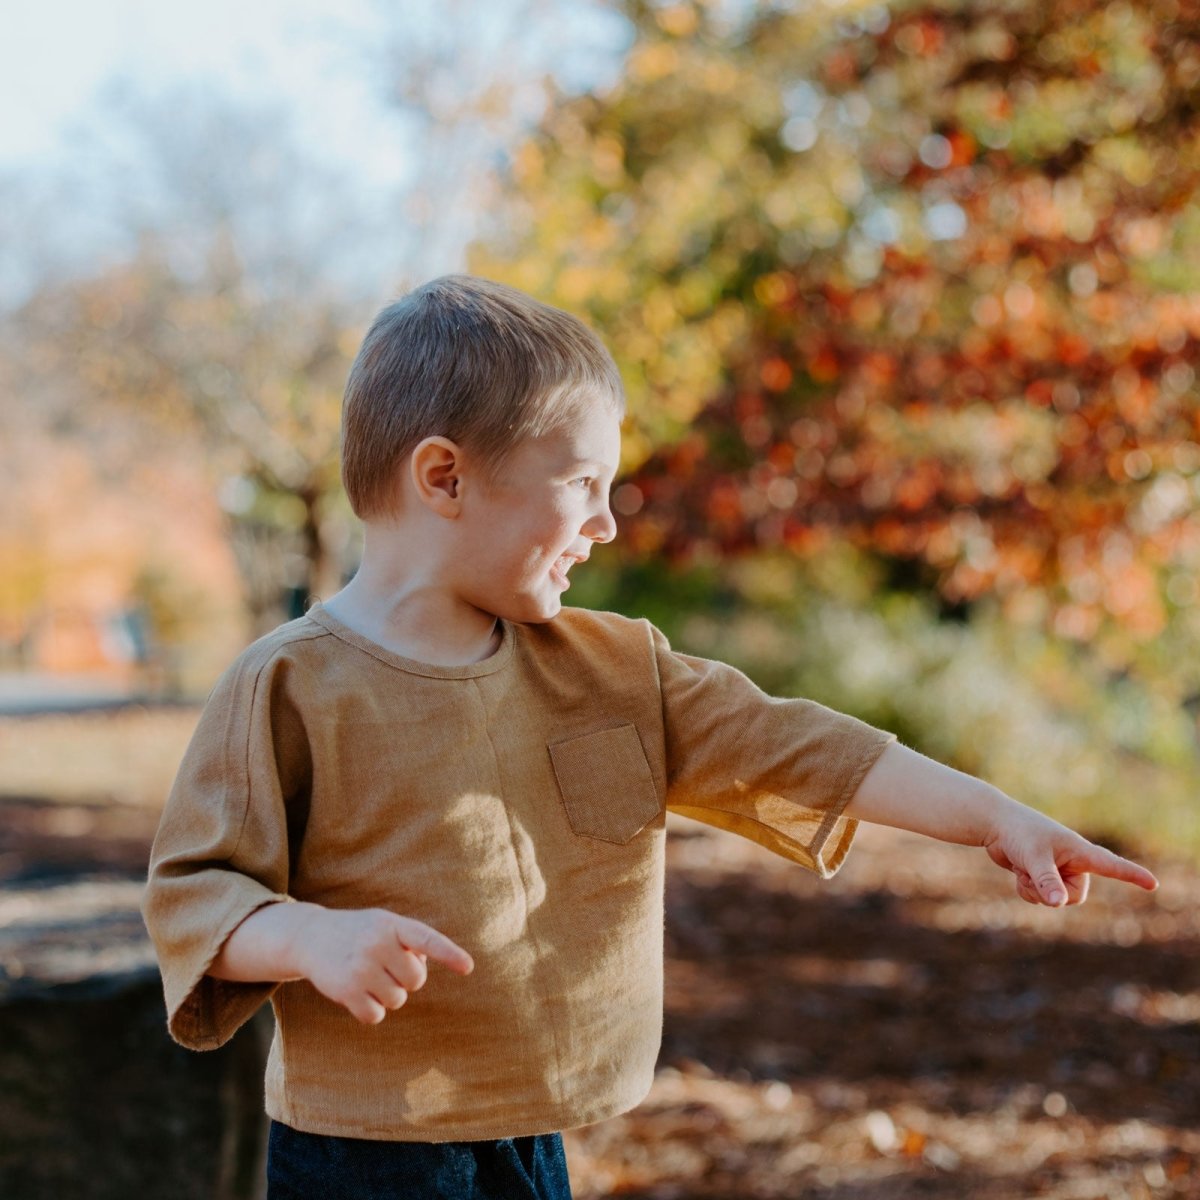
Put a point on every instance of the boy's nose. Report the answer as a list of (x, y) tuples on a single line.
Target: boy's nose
[(602, 527)]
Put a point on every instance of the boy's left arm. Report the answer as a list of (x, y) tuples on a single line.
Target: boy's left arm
[(1051, 863)]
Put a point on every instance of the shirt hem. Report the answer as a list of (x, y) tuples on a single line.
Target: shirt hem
[(532, 1124)]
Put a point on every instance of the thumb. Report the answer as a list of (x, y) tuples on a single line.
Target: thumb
[(1048, 882)]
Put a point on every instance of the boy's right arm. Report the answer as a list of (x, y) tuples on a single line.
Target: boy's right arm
[(218, 904), (367, 960)]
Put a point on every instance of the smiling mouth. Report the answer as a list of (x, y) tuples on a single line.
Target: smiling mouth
[(558, 572), (560, 567)]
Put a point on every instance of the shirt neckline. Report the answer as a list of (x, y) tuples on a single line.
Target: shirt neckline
[(494, 662)]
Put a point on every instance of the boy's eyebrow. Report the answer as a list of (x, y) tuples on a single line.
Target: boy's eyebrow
[(590, 462)]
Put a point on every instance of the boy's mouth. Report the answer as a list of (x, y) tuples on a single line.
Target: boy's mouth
[(562, 564)]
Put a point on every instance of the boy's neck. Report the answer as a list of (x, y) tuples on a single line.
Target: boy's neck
[(407, 612)]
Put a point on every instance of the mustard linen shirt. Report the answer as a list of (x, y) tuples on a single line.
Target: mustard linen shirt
[(517, 805)]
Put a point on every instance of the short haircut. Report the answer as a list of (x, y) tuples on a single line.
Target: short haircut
[(472, 360)]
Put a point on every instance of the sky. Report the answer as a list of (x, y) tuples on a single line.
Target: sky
[(324, 61), (56, 54)]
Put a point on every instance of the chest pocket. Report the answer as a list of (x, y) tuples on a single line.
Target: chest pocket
[(605, 783)]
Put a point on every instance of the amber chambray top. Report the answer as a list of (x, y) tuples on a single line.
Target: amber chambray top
[(517, 805)]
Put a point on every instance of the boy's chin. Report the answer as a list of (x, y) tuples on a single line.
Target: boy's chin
[(547, 613), (537, 610)]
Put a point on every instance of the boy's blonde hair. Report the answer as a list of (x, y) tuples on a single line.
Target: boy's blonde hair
[(475, 361)]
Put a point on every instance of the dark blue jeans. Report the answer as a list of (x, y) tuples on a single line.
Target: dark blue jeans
[(313, 1166)]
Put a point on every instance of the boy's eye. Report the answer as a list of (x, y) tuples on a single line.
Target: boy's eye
[(584, 479)]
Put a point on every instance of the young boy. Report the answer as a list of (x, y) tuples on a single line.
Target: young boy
[(441, 762)]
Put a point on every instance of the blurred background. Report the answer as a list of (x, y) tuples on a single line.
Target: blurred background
[(906, 297)]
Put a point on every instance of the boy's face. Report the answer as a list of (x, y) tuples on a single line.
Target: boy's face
[(520, 536)]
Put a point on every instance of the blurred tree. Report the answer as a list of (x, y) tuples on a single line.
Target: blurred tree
[(466, 79), (923, 278), (140, 353)]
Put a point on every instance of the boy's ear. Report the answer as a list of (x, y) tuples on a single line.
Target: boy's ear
[(435, 468)]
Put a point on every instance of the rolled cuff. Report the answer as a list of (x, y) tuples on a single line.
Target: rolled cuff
[(787, 826), (203, 1012)]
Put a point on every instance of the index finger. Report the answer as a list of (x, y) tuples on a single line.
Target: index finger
[(1099, 861), (417, 936)]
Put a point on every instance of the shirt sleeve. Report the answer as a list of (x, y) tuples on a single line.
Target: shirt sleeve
[(777, 771), (222, 847)]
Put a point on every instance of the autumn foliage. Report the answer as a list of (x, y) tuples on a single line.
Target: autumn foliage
[(927, 280)]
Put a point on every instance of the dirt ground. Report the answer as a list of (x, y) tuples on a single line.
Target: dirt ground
[(911, 1029), (908, 1029)]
